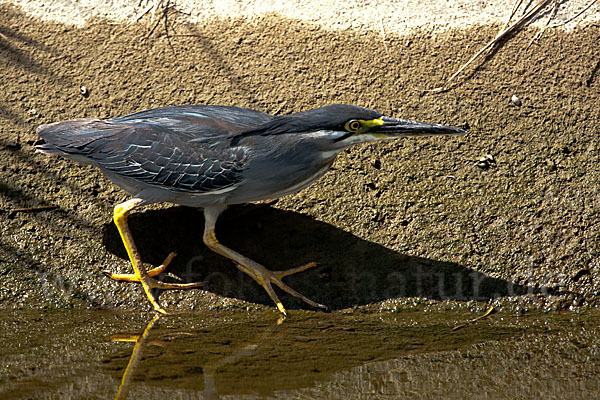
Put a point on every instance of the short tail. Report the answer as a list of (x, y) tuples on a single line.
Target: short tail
[(71, 137)]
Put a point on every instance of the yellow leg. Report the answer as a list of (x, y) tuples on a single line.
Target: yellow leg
[(140, 274), (259, 273)]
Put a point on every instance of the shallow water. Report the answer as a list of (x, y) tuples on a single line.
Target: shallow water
[(235, 354)]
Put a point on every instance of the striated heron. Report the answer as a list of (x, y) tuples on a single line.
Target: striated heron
[(214, 156)]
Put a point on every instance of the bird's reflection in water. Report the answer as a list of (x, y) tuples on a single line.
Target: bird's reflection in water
[(254, 354), (140, 343), (209, 369)]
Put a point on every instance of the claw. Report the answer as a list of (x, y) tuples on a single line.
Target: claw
[(141, 275), (260, 274)]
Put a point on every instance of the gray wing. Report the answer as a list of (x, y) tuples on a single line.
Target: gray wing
[(172, 147), (154, 155)]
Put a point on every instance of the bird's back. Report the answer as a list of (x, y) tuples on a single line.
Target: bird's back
[(191, 122), (184, 148), (231, 154), (200, 120)]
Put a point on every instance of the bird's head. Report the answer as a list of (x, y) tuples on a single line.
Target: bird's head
[(344, 125), (340, 125), (348, 124)]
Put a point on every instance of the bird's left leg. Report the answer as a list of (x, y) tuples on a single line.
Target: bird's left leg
[(256, 271), (140, 274)]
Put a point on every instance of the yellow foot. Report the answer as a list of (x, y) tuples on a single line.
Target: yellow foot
[(264, 277), (155, 284), (150, 283), (134, 278)]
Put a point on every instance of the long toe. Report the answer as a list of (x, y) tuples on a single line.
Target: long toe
[(156, 284), (291, 271), (295, 293), (265, 278), (135, 278), (148, 282)]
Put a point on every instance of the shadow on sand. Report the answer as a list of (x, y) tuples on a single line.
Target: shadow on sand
[(351, 271)]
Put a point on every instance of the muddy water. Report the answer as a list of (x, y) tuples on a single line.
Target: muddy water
[(235, 354)]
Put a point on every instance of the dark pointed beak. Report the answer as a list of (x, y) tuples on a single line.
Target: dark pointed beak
[(393, 127)]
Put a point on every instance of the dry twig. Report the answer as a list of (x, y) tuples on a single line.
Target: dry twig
[(501, 35), (146, 11), (489, 312), (165, 9), (33, 209), (550, 18), (512, 13), (584, 9)]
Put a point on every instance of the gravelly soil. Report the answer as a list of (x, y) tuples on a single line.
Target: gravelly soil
[(390, 224)]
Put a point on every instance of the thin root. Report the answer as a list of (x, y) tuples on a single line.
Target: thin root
[(489, 312)]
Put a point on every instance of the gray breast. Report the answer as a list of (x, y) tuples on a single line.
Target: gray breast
[(281, 165)]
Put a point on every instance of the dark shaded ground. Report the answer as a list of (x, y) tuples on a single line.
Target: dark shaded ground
[(390, 221)]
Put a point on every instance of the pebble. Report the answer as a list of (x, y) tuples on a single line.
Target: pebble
[(516, 101), (486, 161)]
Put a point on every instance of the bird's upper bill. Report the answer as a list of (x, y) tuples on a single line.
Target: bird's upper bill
[(386, 127)]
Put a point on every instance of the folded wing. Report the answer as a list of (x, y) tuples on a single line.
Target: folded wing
[(183, 148)]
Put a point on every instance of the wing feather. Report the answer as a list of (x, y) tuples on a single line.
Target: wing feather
[(183, 148)]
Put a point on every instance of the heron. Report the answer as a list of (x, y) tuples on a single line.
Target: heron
[(211, 157)]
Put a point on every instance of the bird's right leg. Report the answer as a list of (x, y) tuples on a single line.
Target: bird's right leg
[(256, 271), (140, 274)]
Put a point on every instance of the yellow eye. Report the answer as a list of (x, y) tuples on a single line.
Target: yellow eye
[(352, 125)]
